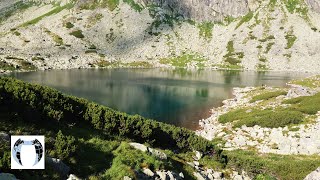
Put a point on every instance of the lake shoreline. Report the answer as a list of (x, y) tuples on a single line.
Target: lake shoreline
[(165, 68), (292, 139)]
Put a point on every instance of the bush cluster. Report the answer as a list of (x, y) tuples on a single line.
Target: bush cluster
[(268, 95), (41, 103), (264, 118), (64, 146)]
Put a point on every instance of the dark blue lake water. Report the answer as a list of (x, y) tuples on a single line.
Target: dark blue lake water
[(178, 97)]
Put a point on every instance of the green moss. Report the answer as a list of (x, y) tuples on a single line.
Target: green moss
[(37, 58), (25, 65), (94, 51), (288, 55), (272, 4), (205, 30), (135, 6), (314, 29), (141, 64), (110, 4), (14, 58), (262, 67), (264, 118), (94, 19), (17, 33), (56, 38), (245, 18), (69, 25), (270, 37), (229, 19), (183, 60), (263, 59), (268, 95), (291, 38), (296, 6), (77, 34), (232, 57), (269, 46)]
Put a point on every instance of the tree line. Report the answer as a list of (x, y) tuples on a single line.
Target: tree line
[(40, 103)]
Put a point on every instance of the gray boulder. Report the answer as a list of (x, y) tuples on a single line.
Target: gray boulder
[(4, 136), (148, 172), (127, 178), (315, 175), (297, 91), (158, 154), (73, 177), (139, 146), (7, 176), (58, 165)]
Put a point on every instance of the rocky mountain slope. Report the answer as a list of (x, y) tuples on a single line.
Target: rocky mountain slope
[(248, 34)]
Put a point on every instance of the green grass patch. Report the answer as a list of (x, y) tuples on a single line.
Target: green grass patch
[(90, 51), (110, 4), (69, 25), (291, 38), (77, 34), (264, 118), (135, 6), (284, 167), (6, 66), (141, 64), (205, 30), (262, 67), (183, 60), (54, 11), (297, 6), (263, 59), (229, 19), (92, 20), (288, 55), (312, 82), (269, 46), (272, 4), (56, 38), (245, 19), (270, 37), (126, 160), (17, 33), (267, 95), (306, 104), (25, 65), (232, 57)]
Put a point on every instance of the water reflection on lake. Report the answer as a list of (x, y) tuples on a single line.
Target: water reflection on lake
[(178, 97)]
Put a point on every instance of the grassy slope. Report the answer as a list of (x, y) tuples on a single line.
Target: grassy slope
[(98, 156), (96, 149)]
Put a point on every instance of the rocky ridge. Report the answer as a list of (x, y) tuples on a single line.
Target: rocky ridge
[(254, 35)]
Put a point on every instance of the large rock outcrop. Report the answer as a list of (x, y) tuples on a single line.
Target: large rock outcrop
[(203, 10), (314, 5)]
